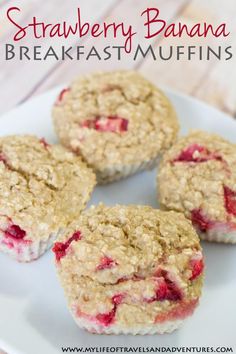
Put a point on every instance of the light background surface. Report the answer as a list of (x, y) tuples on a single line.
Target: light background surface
[(212, 81)]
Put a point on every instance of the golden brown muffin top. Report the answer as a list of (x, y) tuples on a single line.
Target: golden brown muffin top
[(42, 187), (115, 118)]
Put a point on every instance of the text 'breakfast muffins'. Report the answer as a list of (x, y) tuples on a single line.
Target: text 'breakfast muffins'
[(198, 177), (130, 269), (118, 121), (42, 189)]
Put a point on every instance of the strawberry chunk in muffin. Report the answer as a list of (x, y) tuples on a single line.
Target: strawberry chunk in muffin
[(197, 153), (230, 200), (61, 248), (107, 124)]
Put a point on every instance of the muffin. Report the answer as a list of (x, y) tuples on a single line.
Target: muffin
[(119, 122), (198, 177), (42, 189), (130, 269)]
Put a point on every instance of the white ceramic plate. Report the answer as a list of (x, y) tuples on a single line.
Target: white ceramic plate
[(33, 314)]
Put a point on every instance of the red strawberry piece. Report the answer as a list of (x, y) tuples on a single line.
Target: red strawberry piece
[(230, 200), (3, 159), (15, 232), (111, 124), (44, 143), (201, 221), (107, 124), (106, 319), (117, 299), (62, 94), (192, 154), (197, 266), (161, 292), (60, 248), (197, 153), (106, 263), (173, 293), (166, 288)]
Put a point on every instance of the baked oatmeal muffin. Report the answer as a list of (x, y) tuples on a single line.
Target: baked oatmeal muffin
[(198, 177), (118, 121), (42, 189), (130, 269)]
